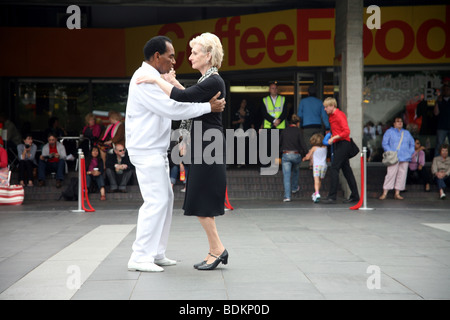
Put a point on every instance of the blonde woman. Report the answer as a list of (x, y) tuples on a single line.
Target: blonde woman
[(340, 139), (92, 129), (206, 183)]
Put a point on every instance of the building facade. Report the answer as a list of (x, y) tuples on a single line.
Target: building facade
[(67, 73)]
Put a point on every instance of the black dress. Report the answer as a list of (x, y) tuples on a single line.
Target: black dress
[(206, 182)]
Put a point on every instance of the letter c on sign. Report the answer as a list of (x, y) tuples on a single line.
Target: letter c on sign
[(175, 28)]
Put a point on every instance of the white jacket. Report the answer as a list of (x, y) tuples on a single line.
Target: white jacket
[(149, 113), (59, 147)]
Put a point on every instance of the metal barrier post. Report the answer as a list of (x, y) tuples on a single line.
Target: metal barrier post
[(364, 206), (80, 155)]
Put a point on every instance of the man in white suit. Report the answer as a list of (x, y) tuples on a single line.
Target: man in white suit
[(147, 129)]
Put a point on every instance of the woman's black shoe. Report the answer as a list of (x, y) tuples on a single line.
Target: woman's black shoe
[(199, 264), (222, 258)]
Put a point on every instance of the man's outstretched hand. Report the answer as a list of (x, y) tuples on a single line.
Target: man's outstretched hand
[(217, 105)]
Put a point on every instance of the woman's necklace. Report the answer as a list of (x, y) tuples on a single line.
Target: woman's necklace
[(209, 72), (187, 124)]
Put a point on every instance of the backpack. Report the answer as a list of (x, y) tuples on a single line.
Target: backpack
[(71, 191)]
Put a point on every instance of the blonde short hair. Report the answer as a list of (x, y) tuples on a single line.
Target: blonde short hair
[(115, 115), (210, 43), (88, 117), (330, 102)]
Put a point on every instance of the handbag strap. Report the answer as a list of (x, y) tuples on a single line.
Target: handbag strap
[(401, 139)]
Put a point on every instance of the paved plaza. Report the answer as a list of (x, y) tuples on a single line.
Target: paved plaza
[(277, 251)]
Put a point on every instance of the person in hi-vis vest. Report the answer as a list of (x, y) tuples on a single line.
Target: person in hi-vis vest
[(274, 112)]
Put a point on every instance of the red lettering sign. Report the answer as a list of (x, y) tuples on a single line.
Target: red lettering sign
[(273, 43), (246, 44), (367, 41), (304, 35), (251, 46), (175, 28), (422, 37), (230, 34), (408, 40)]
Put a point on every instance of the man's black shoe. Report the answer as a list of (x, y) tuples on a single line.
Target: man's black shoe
[(350, 200), (328, 201)]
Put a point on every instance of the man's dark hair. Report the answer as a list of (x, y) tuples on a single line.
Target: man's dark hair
[(312, 91), (51, 134), (155, 44)]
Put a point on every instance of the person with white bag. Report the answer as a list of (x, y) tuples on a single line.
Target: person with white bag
[(400, 140)]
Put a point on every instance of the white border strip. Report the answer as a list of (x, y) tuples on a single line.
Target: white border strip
[(59, 277), (440, 226)]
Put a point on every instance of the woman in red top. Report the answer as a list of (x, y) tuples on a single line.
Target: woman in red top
[(340, 141), (4, 171), (3, 157)]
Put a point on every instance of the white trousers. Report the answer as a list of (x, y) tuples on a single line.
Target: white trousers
[(155, 215), (396, 176)]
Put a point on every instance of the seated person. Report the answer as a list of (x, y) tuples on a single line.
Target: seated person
[(94, 171), (417, 172), (4, 170), (114, 134), (118, 169), (91, 131), (27, 162), (441, 170), (3, 157), (52, 159)]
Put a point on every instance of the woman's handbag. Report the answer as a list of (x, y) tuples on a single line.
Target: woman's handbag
[(354, 150), (390, 157)]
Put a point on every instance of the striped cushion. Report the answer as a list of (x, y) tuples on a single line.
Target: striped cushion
[(12, 195)]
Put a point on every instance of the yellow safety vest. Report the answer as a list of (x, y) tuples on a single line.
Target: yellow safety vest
[(274, 110)]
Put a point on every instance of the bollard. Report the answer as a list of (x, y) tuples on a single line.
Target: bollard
[(364, 206), (80, 179), (84, 190)]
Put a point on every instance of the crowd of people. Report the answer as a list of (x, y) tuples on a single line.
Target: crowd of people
[(299, 141), (316, 119), (107, 160), (156, 98)]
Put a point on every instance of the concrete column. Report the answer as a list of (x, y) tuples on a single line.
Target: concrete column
[(350, 63)]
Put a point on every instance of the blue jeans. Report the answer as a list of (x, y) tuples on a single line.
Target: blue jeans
[(58, 167), (290, 163), (442, 183), (98, 180), (175, 170), (440, 138)]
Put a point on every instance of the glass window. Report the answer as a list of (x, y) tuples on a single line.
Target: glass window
[(38, 102), (41, 100), (410, 95), (110, 96)]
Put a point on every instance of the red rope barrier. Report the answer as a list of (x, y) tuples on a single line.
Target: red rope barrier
[(227, 201), (84, 192), (361, 198)]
